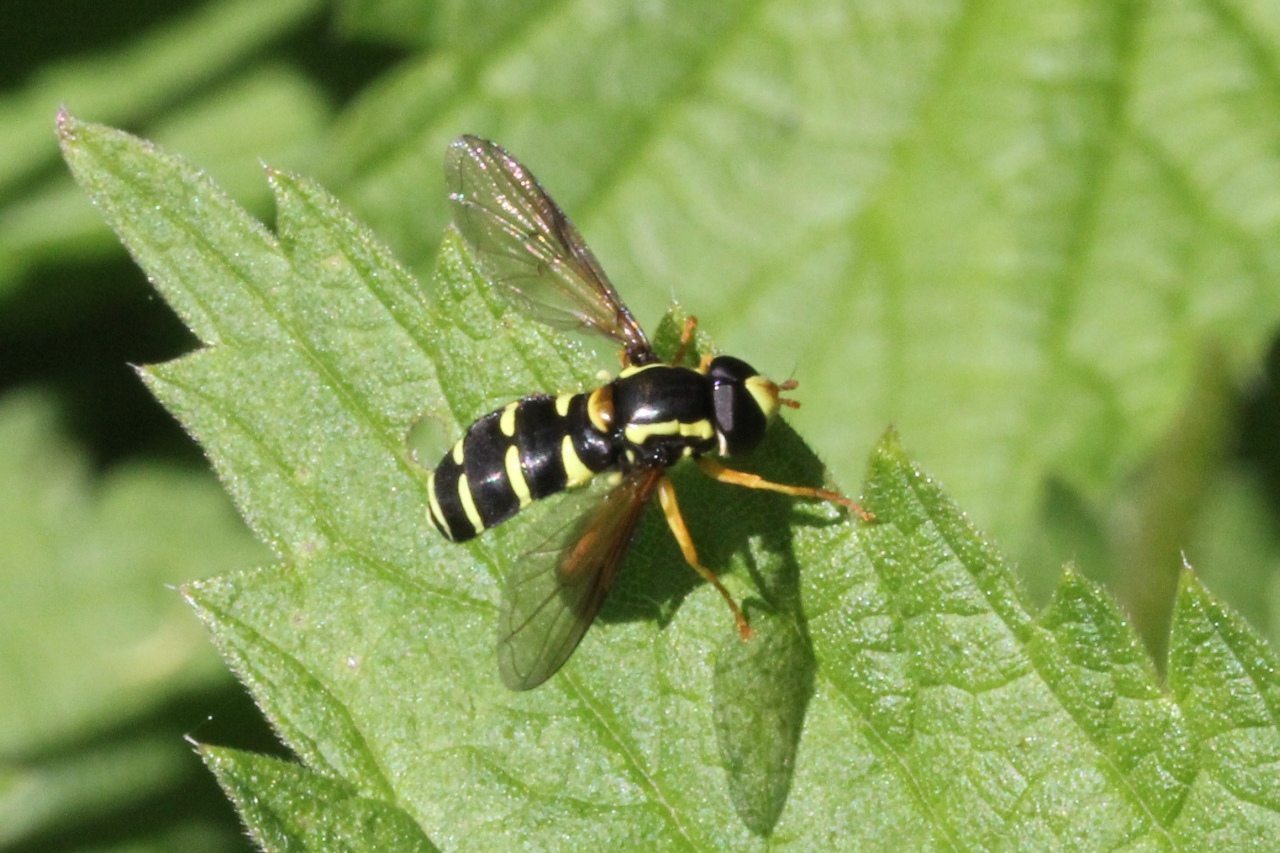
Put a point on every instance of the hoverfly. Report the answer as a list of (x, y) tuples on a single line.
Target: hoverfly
[(647, 419)]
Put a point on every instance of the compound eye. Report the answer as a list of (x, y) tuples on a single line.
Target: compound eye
[(742, 413)]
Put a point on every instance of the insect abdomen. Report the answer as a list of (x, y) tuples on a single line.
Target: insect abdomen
[(527, 450)]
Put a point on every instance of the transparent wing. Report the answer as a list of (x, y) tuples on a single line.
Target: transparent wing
[(528, 248), (553, 596)]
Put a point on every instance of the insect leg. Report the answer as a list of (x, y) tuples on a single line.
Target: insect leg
[(686, 335), (671, 509), (716, 471)]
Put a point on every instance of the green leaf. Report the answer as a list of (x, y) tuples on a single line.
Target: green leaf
[(762, 690), (290, 808), (272, 113), (191, 84), (50, 795), (93, 634), (155, 71), (469, 30), (1225, 679), (929, 707), (1012, 230), (397, 21)]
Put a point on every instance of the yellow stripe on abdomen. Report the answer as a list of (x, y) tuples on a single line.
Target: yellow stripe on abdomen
[(434, 510), (576, 473), (515, 477), (469, 504)]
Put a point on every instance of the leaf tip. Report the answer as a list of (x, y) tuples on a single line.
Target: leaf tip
[(888, 462), (194, 594), (68, 126), (275, 177), (890, 444), (1071, 575), (1190, 590)]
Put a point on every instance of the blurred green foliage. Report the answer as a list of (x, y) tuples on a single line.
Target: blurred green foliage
[(108, 505), (1036, 238)]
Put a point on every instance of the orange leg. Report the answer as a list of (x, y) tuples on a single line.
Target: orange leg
[(686, 335), (671, 509), (716, 471)]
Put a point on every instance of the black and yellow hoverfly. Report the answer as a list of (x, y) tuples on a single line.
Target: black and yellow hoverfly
[(647, 419)]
